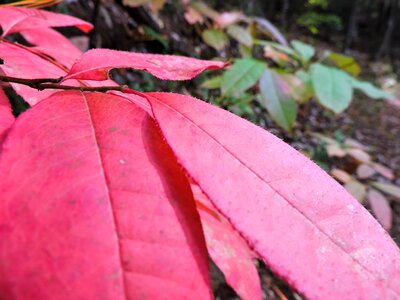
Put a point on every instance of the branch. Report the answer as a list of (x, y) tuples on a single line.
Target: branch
[(53, 83)]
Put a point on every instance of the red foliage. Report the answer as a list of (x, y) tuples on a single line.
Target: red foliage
[(97, 199)]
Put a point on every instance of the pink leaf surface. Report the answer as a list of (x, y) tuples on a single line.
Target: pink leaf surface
[(6, 116), (96, 64), (307, 228), (54, 44), (21, 63), (16, 19), (94, 206), (228, 250)]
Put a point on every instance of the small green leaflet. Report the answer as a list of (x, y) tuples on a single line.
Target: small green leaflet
[(370, 90), (212, 83), (241, 35), (305, 51), (332, 87), (243, 74), (215, 38)]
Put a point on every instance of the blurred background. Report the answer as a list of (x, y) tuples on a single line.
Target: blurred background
[(323, 75)]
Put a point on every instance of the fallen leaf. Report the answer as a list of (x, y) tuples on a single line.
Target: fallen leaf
[(365, 171), (381, 208), (383, 170), (351, 143), (359, 155), (341, 175), (357, 189), (334, 150), (388, 188)]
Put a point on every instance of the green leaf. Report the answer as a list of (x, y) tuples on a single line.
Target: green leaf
[(212, 83), (241, 35), (305, 51), (346, 63), (245, 52), (276, 97), (155, 35), (370, 90), (332, 87), (243, 74), (215, 38)]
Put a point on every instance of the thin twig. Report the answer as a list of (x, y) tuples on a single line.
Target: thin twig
[(53, 83)]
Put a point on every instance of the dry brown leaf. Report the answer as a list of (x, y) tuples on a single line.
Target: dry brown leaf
[(359, 155), (335, 151), (341, 175)]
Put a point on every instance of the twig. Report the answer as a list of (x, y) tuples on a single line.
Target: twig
[(53, 83)]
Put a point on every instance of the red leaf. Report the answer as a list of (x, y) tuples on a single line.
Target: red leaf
[(303, 223), (94, 206), (54, 44), (22, 63), (6, 116), (95, 65), (228, 250), (16, 19), (18, 62)]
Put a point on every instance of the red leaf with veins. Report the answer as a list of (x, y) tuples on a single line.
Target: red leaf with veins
[(16, 19), (96, 64), (22, 63), (18, 62), (306, 226), (6, 116), (94, 206), (228, 250), (54, 44)]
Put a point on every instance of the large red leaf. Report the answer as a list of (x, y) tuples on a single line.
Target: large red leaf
[(305, 225), (6, 116), (95, 65), (94, 206), (52, 43), (228, 250), (16, 19)]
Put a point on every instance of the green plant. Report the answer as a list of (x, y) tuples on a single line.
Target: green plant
[(293, 75)]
